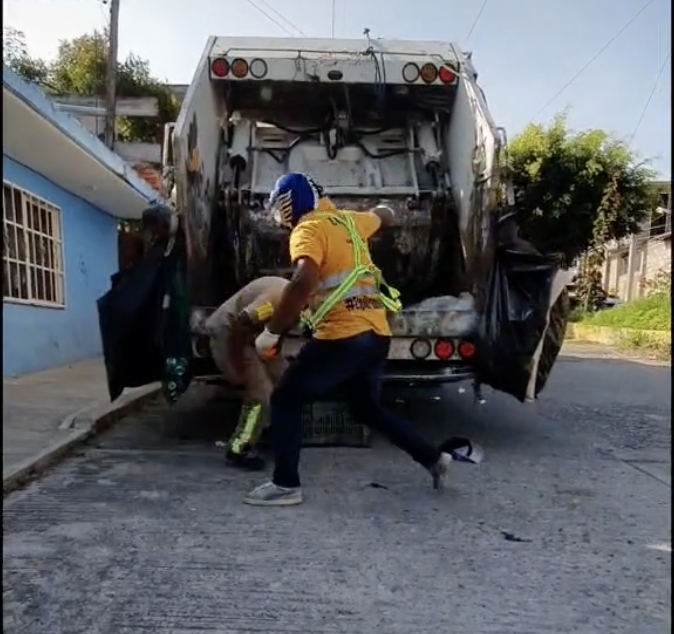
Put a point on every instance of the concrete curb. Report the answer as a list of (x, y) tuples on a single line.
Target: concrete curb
[(83, 425)]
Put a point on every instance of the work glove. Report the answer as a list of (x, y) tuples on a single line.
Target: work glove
[(267, 344)]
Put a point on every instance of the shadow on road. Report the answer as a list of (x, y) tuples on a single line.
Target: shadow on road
[(207, 415)]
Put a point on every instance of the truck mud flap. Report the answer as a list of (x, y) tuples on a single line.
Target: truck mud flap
[(523, 318)]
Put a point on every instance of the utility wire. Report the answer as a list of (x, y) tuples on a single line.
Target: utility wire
[(595, 56), (477, 19), (650, 97), (280, 15), (270, 18), (332, 29)]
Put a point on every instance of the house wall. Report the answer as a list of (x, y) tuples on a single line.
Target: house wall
[(652, 255), (615, 276), (658, 257), (34, 337)]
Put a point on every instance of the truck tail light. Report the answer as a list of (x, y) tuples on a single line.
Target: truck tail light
[(410, 72), (239, 68), (220, 67), (429, 73), (444, 349), (447, 76), (466, 350), (420, 348), (258, 68)]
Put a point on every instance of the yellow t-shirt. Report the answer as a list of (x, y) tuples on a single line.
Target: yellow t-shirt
[(329, 246)]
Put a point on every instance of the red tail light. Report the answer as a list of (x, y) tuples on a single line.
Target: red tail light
[(466, 349), (446, 75), (444, 349), (220, 67)]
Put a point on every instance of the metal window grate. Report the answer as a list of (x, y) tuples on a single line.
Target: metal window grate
[(330, 423), (32, 250)]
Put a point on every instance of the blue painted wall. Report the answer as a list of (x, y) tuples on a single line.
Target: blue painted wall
[(35, 338)]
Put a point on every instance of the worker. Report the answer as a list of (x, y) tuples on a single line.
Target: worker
[(232, 329), (350, 334)]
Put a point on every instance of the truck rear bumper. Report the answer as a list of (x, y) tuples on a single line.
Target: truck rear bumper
[(401, 367), (426, 372)]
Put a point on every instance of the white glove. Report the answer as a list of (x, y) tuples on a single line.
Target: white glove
[(266, 344)]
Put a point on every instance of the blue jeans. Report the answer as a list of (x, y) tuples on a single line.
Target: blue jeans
[(357, 364)]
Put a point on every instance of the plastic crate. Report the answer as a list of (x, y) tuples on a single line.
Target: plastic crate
[(330, 423)]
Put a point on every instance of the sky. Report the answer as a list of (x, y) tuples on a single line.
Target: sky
[(525, 51)]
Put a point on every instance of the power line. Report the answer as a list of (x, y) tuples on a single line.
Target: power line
[(270, 18), (332, 29), (477, 19), (104, 13), (650, 97), (595, 56), (293, 25)]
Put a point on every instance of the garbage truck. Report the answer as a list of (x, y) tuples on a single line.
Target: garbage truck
[(403, 123)]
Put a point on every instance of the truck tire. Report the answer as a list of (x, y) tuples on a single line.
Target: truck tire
[(554, 338)]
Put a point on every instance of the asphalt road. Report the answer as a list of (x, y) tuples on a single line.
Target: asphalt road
[(565, 527)]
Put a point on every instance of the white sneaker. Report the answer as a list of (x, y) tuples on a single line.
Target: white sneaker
[(270, 494), (440, 471)]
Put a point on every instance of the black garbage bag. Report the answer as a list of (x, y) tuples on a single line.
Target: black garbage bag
[(144, 323), (514, 331), (176, 337)]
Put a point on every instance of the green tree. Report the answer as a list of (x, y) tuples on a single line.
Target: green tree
[(577, 190), (80, 65), (80, 69), (15, 56)]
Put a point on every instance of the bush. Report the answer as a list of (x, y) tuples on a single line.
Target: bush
[(649, 313), (576, 315), (645, 344), (661, 284)]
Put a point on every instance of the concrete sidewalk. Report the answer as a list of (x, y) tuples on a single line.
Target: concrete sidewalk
[(45, 414)]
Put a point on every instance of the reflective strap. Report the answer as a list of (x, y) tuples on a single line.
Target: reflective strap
[(264, 312), (344, 283), (244, 433), (360, 289), (334, 298), (333, 281)]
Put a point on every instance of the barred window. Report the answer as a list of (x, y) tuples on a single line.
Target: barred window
[(32, 249)]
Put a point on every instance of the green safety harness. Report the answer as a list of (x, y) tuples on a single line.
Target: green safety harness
[(389, 296)]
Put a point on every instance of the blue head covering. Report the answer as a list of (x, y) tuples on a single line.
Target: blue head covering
[(293, 196)]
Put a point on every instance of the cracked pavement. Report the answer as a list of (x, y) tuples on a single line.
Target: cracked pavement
[(565, 527)]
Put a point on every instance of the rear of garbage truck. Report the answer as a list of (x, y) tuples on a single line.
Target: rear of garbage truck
[(372, 121)]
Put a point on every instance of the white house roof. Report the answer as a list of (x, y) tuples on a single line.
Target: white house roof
[(38, 135)]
